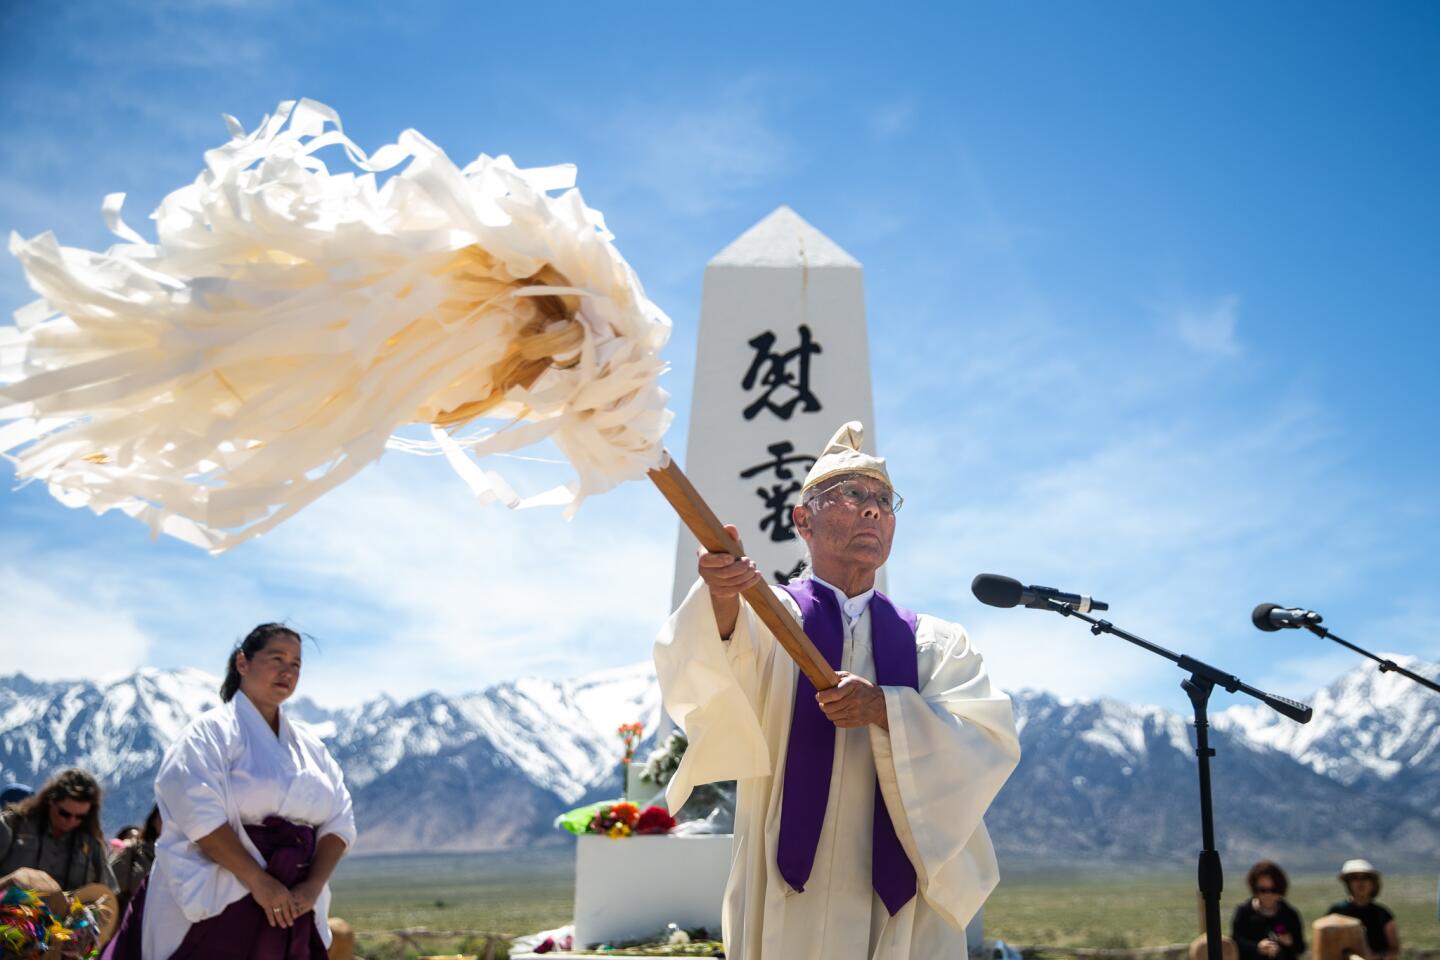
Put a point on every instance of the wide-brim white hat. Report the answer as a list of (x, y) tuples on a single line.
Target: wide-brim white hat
[(844, 456), (1358, 867)]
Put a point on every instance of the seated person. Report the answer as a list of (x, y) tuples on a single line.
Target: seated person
[(124, 837), (57, 832), (1266, 925), (14, 793), (1362, 883), (132, 863)]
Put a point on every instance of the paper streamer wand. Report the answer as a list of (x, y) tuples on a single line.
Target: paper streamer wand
[(287, 321)]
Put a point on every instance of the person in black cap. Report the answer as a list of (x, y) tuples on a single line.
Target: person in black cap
[(14, 793)]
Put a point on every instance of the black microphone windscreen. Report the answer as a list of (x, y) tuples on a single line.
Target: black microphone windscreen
[(997, 591), (1260, 616), (1299, 712)]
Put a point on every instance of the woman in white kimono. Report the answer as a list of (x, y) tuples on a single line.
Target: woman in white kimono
[(256, 816)]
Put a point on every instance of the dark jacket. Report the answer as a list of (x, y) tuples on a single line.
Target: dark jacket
[(73, 860), (1249, 926), (131, 866)]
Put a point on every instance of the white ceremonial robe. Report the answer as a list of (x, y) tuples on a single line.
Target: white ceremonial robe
[(229, 767), (950, 747)]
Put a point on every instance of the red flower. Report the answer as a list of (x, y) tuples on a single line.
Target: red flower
[(655, 820)]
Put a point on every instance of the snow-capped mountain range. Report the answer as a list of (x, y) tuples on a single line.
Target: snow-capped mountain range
[(1100, 780), (1369, 727)]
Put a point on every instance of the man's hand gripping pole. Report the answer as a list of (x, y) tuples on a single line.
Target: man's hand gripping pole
[(696, 514)]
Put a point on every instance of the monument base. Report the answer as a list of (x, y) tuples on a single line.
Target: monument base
[(632, 888)]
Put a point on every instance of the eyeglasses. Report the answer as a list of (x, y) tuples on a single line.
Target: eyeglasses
[(855, 494), (64, 814)]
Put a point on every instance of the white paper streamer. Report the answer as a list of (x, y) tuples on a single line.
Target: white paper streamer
[(288, 319)]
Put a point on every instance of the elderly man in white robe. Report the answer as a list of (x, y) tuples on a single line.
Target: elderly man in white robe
[(858, 825)]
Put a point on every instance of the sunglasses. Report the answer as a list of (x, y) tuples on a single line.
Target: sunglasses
[(69, 814)]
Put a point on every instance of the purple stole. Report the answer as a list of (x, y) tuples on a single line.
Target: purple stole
[(811, 750)]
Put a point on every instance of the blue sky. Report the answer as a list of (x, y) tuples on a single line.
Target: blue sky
[(1152, 293)]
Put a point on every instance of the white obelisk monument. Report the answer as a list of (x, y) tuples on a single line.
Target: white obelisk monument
[(782, 360)]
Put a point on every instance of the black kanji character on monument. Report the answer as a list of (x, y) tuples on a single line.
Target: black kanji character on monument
[(785, 576), (782, 455), (777, 501), (777, 497), (772, 372)]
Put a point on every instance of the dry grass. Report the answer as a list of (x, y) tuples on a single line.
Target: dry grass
[(520, 893)]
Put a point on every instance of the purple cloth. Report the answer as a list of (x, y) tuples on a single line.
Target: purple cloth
[(126, 943), (810, 753), (241, 932)]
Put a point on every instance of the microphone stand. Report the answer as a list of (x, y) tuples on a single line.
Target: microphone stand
[(1386, 666), (1198, 686)]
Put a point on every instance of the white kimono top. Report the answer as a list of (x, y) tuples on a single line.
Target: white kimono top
[(950, 747), (230, 767)]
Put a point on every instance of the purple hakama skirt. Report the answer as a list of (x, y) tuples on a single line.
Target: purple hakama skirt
[(240, 931)]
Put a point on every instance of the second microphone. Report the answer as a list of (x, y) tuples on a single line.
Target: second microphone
[(998, 591)]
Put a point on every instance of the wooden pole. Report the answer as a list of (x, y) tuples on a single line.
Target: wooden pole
[(696, 514)]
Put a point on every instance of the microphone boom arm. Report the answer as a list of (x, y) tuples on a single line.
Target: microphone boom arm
[(1293, 709), (1386, 666)]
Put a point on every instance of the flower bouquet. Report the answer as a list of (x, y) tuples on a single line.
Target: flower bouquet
[(616, 820)]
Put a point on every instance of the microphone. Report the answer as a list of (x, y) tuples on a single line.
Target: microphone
[(998, 591), (1271, 617)]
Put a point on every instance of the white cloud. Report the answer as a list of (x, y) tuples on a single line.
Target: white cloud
[(1112, 464), (701, 155), (1209, 328), (1303, 664), (64, 624), (208, 36), (1034, 650), (406, 582), (458, 595), (889, 120), (1181, 531), (1407, 624)]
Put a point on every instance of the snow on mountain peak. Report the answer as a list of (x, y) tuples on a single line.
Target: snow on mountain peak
[(1364, 722)]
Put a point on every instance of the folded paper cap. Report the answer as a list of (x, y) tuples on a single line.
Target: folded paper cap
[(842, 456)]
